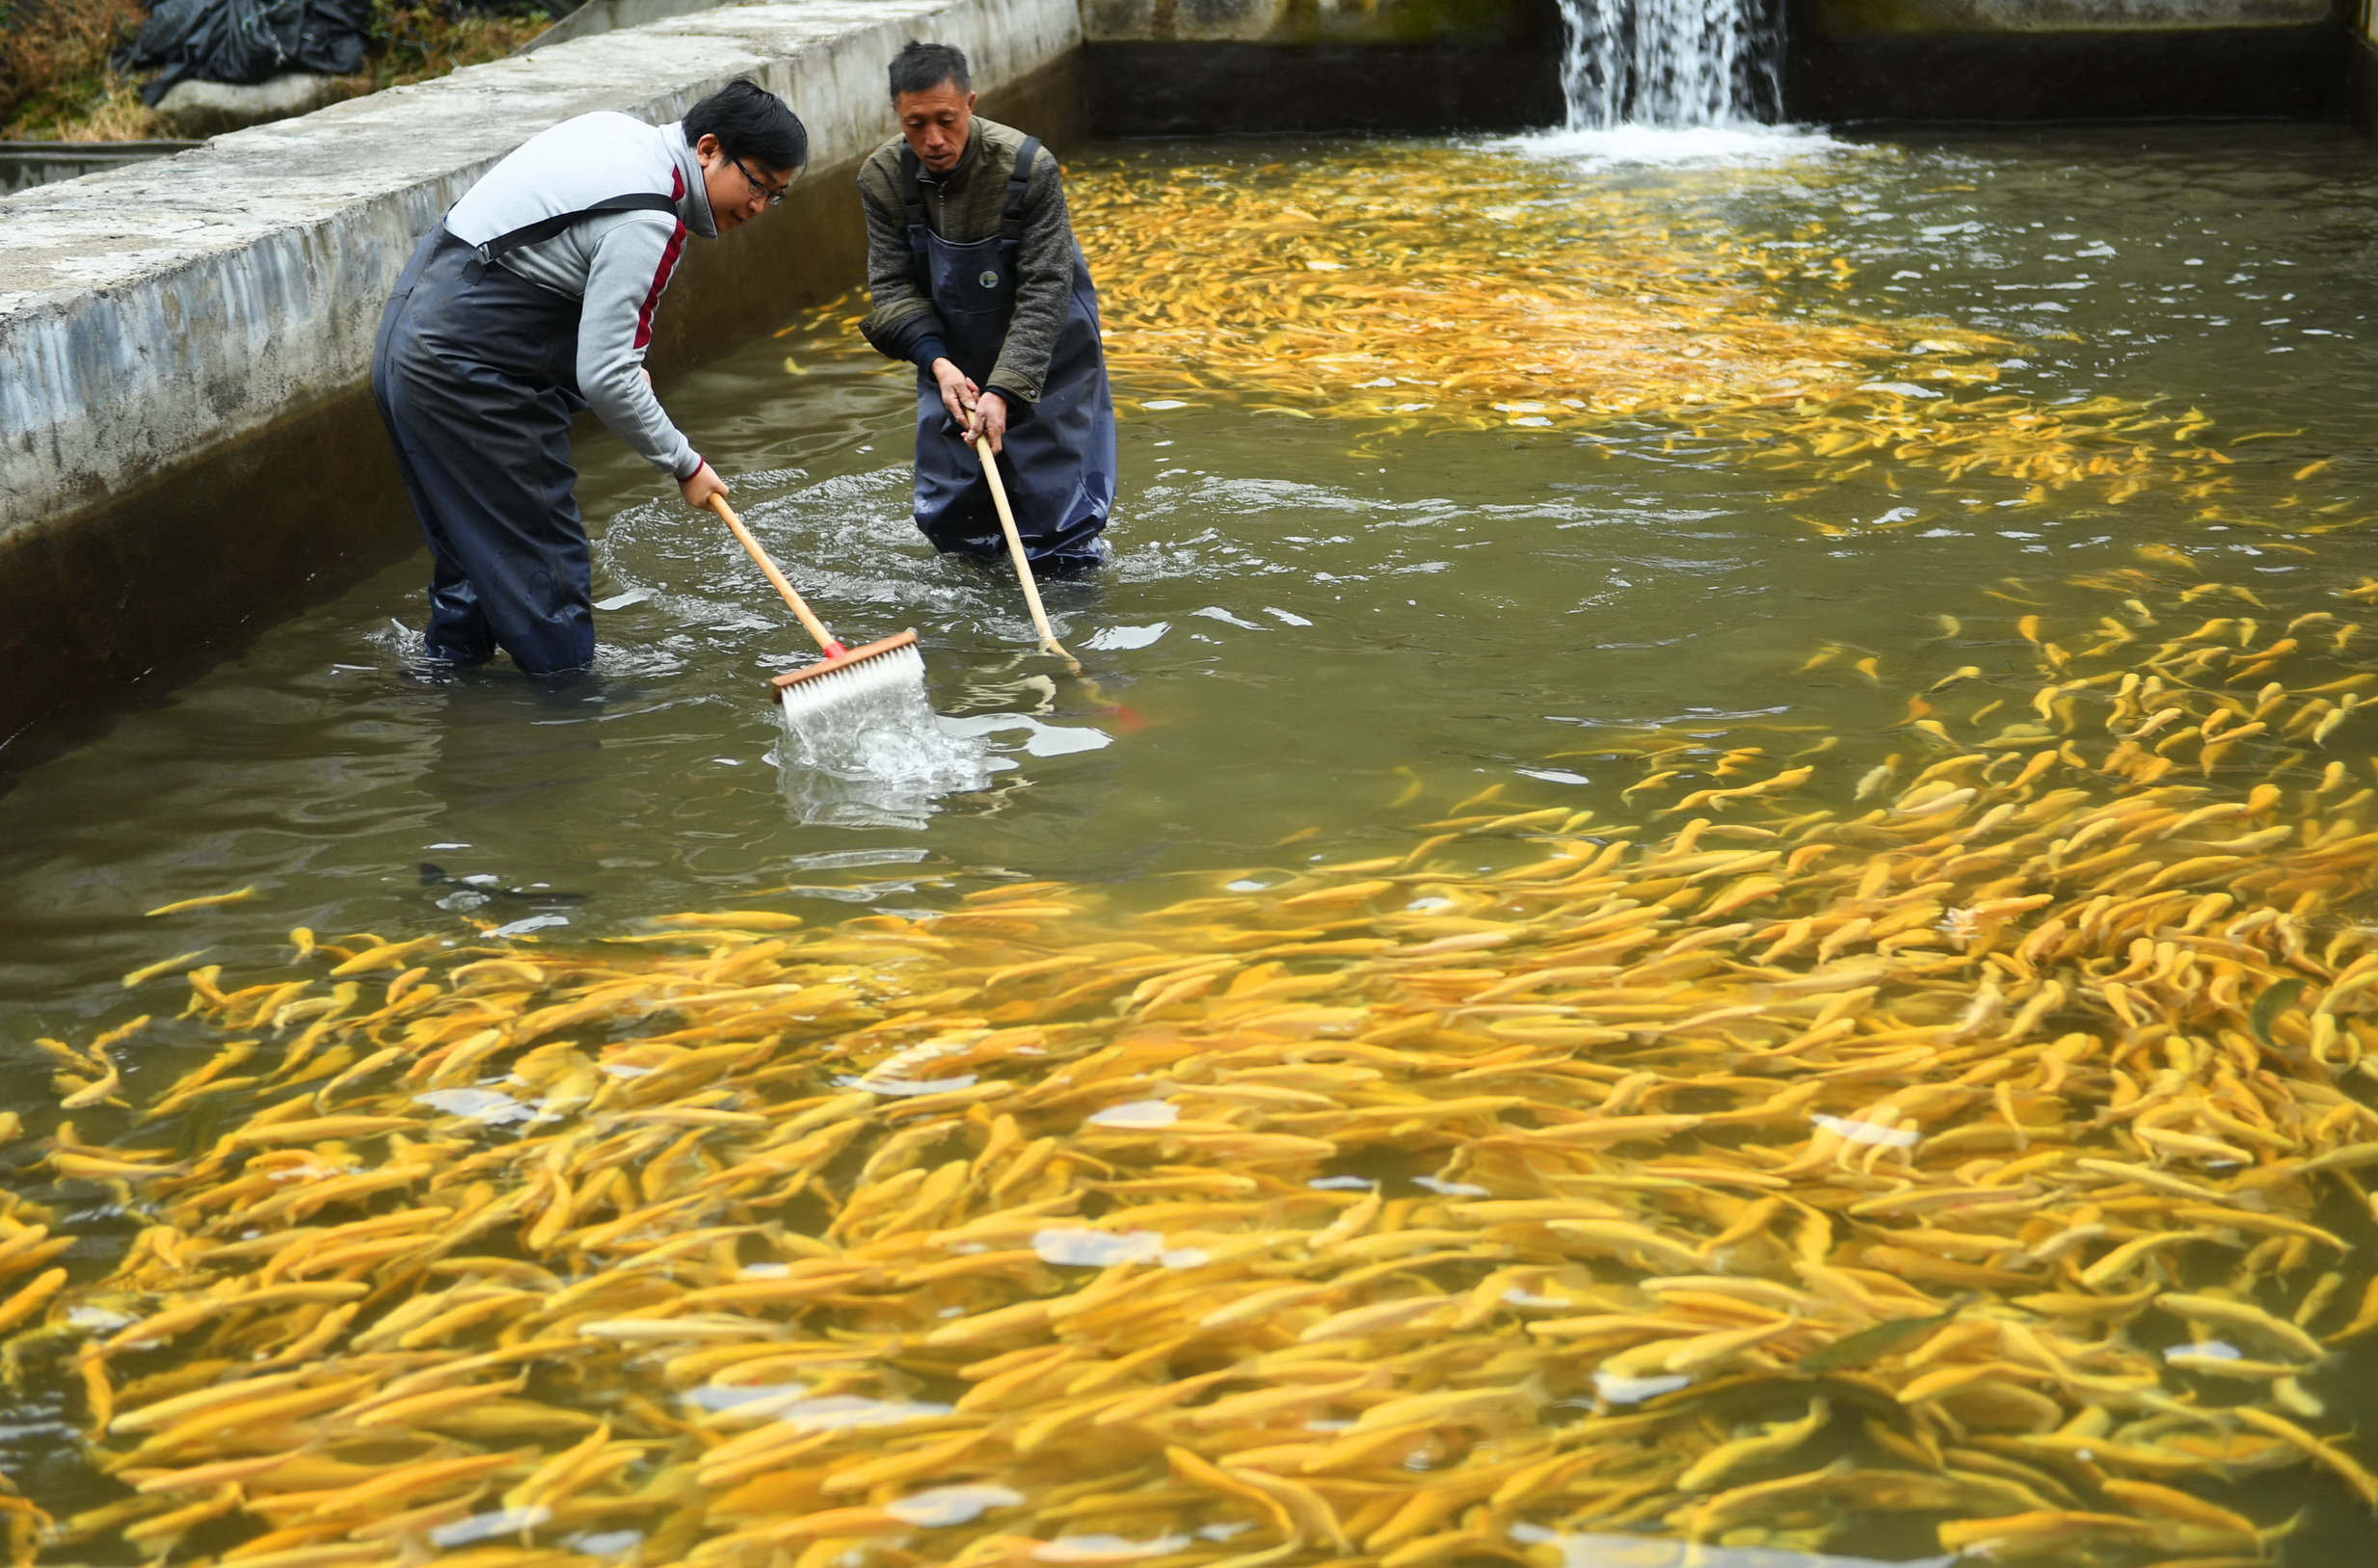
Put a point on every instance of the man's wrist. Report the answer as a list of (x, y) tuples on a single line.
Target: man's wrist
[(687, 476), (927, 351)]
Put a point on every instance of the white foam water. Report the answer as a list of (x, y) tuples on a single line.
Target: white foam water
[(1738, 146), (864, 748)]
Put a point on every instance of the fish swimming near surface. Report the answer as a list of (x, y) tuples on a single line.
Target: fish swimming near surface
[(1972, 1149)]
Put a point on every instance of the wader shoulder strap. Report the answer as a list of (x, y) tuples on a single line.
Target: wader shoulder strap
[(1019, 183), (1011, 214), (912, 194), (544, 228)]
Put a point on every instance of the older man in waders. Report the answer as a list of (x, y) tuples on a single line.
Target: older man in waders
[(976, 279), (531, 299)]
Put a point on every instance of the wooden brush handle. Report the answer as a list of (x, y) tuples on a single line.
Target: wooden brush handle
[(817, 628), (1015, 554)]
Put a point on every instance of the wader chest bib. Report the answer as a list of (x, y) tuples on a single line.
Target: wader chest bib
[(1057, 456), (475, 373)]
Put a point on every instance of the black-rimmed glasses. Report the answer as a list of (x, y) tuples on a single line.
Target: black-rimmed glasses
[(774, 193)]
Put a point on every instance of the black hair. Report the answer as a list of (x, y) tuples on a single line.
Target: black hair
[(921, 67), (750, 121)]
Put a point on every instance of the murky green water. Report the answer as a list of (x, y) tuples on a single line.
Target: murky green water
[(1297, 629), (1314, 634)]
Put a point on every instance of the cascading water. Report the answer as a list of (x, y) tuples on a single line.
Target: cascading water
[(1669, 63)]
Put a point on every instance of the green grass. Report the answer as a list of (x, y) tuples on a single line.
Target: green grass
[(54, 80), (413, 43), (55, 84)]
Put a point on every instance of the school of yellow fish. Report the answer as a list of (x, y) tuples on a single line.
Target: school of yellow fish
[(1423, 287), (1416, 288), (1982, 1154)]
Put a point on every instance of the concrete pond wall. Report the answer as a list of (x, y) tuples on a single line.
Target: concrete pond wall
[(25, 165), (2019, 60), (1221, 66), (1203, 68), (187, 446), (2362, 94)]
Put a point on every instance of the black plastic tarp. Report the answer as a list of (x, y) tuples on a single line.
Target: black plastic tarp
[(249, 40)]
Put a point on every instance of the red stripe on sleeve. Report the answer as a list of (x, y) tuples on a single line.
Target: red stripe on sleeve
[(668, 264), (660, 281)]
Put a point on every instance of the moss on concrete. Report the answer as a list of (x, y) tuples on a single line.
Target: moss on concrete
[(1295, 22), (2064, 15)]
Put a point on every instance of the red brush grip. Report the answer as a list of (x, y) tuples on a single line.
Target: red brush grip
[(835, 650)]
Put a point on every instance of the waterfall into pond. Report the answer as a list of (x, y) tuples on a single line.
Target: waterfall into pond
[(1669, 63)]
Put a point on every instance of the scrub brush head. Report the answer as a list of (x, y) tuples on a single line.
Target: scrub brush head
[(858, 673)]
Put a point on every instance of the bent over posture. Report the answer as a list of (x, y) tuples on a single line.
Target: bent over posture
[(976, 279), (533, 299)]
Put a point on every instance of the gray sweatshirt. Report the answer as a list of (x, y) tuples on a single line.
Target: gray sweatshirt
[(617, 263)]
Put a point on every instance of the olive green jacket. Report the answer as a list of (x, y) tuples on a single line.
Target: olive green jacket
[(963, 206)]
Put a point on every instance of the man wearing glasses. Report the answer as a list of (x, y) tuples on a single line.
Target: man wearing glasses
[(533, 299), (976, 281)]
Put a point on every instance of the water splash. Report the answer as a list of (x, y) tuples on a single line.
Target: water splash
[(877, 758), (1669, 63)]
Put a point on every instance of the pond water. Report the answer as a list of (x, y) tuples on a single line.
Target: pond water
[(1457, 479), (1306, 615)]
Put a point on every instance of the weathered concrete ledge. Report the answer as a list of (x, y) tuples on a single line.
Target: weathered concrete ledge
[(186, 443), (24, 165), (610, 17)]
